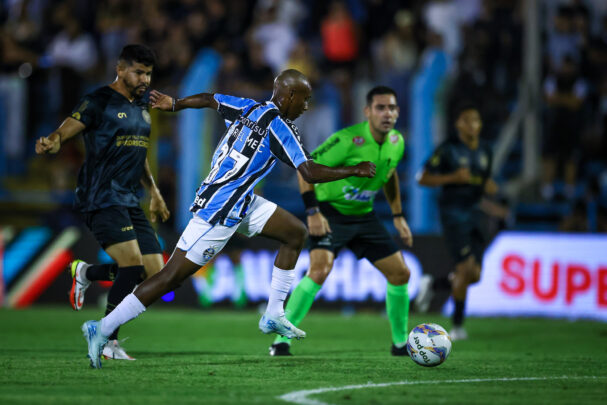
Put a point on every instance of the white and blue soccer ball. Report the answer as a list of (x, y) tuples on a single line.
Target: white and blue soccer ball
[(429, 344)]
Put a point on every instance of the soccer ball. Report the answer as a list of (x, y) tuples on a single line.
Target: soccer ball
[(429, 344)]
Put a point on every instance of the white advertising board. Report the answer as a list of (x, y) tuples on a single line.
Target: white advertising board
[(539, 274)]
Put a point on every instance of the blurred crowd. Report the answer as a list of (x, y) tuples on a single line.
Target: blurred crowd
[(63, 49)]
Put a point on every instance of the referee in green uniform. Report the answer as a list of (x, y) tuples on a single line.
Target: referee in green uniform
[(340, 214)]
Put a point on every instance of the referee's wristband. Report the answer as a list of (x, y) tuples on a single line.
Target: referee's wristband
[(309, 199), (400, 214)]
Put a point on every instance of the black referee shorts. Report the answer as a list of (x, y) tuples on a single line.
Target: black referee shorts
[(117, 224), (364, 235)]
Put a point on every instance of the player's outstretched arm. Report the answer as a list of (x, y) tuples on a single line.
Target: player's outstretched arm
[(165, 102), (52, 143), (460, 176), (313, 172), (158, 207)]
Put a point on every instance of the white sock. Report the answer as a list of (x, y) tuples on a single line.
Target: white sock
[(279, 288), (81, 275), (129, 308)]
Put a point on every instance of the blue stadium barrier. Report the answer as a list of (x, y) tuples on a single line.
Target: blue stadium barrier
[(194, 127), (422, 206)]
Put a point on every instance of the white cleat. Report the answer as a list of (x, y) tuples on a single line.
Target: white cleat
[(95, 340), (281, 326), (79, 283), (458, 333), (114, 351), (424, 294)]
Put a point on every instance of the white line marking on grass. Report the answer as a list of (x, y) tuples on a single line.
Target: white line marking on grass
[(301, 397)]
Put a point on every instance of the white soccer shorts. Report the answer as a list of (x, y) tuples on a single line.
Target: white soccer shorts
[(202, 241)]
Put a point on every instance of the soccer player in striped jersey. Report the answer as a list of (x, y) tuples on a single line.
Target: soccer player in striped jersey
[(257, 134)]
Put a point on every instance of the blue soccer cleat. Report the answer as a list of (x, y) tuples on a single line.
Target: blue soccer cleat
[(95, 340), (281, 326)]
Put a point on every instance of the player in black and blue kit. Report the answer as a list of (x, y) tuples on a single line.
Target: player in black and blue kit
[(461, 166), (115, 125), (257, 135)]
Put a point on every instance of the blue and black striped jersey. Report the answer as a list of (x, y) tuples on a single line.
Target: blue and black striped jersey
[(256, 135)]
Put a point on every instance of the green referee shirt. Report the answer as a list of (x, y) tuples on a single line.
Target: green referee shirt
[(348, 147)]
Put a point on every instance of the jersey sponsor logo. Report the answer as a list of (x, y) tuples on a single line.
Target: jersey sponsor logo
[(146, 116), (394, 138), (352, 193), (199, 201), (121, 115), (76, 116), (253, 126), (140, 141), (358, 140), (127, 228)]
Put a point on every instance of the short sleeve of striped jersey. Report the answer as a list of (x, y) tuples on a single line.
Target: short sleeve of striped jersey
[(231, 107), (285, 142)]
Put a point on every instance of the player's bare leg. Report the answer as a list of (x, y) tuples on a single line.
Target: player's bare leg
[(291, 233), (152, 263), (321, 264), (397, 299), (466, 273), (176, 270)]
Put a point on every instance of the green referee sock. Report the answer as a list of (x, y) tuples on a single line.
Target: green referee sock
[(299, 303), (397, 307)]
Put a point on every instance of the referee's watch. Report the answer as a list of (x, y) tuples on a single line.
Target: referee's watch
[(312, 210)]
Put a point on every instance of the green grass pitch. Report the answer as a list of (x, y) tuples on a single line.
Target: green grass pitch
[(219, 357)]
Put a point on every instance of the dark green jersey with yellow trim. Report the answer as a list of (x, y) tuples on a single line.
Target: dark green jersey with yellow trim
[(457, 200), (116, 139)]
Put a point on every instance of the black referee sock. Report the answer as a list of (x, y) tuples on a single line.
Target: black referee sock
[(126, 280), (458, 313), (102, 272)]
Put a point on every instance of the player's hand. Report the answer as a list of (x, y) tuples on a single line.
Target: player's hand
[(491, 187), (158, 208), (403, 231), (48, 144), (461, 176), (364, 169), (318, 225), (161, 101)]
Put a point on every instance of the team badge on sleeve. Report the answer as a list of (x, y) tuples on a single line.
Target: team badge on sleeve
[(358, 140)]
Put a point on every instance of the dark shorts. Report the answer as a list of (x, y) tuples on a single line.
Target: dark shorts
[(117, 224), (363, 235), (463, 240)]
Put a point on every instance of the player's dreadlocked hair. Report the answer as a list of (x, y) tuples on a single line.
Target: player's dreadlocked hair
[(138, 54), (377, 91)]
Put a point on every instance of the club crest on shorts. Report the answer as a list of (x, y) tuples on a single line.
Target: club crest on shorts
[(208, 254), (358, 140)]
